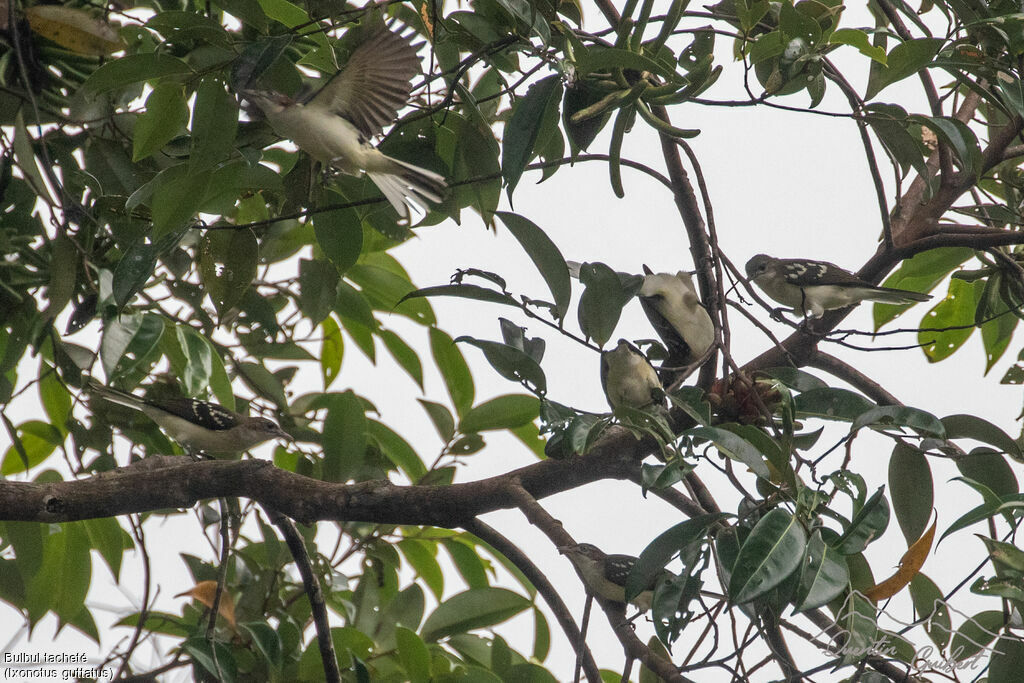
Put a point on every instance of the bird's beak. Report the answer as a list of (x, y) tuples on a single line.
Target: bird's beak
[(563, 549), (281, 434)]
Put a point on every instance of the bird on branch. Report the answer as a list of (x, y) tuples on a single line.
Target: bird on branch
[(678, 316), (810, 288), (628, 378), (199, 426)]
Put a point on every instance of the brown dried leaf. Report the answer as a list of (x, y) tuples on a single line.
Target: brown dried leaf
[(910, 565), (75, 29), (204, 592)]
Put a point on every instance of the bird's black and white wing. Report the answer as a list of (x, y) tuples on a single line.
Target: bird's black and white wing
[(374, 85), (207, 415)]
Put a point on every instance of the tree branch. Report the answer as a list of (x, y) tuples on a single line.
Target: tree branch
[(501, 544)]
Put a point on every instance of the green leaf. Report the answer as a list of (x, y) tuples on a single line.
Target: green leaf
[(454, 370), (906, 59), (198, 355), (164, 119), (472, 609), (54, 396), (267, 642), (318, 289), (599, 58), (602, 301), (227, 262), (989, 508), (959, 137), (832, 404), (1007, 660), (107, 536), (795, 378), (858, 39), (733, 446), (340, 234), (920, 421), (442, 418), (421, 557), (931, 608), (414, 655), (920, 273), (890, 124), (503, 412), (128, 341), (396, 449), (990, 469), (772, 552), (474, 292), (824, 575), (973, 427), (37, 439), (214, 124), (344, 440), (177, 196), (975, 634), (524, 126), (866, 526), (911, 489), (470, 566), (387, 291), (511, 363), (954, 311), (332, 350), (125, 71), (404, 354), (545, 256), (667, 545)]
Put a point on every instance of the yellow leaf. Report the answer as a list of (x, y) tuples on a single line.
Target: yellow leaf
[(205, 591), (910, 565), (75, 29)]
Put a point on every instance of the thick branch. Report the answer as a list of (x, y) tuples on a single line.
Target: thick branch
[(162, 482)]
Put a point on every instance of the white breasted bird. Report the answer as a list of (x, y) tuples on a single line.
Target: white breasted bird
[(605, 575), (811, 288), (674, 309), (198, 425), (628, 378), (336, 124)]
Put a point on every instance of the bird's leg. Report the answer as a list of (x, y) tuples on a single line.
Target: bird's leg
[(777, 314)]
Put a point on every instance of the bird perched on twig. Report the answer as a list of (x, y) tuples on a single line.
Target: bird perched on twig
[(605, 575), (811, 288), (198, 425), (628, 378), (336, 124), (674, 309)]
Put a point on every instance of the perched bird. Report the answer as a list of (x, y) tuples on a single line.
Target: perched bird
[(628, 378), (605, 575), (812, 287), (198, 425), (674, 309), (336, 124)]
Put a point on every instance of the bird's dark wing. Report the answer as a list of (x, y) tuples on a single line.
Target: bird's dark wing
[(209, 415), (373, 85), (804, 273), (679, 352)]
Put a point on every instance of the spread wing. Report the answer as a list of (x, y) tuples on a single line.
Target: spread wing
[(374, 84)]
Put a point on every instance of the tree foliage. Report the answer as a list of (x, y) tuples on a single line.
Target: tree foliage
[(155, 235)]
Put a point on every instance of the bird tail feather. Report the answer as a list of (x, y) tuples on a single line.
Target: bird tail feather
[(114, 395), (407, 186), (898, 296)]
